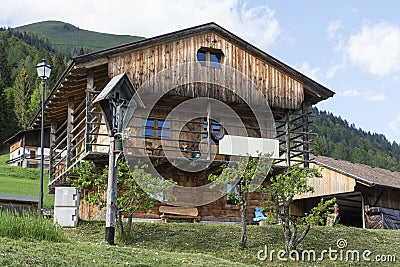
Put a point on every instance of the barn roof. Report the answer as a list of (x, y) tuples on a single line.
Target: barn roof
[(18, 198), (74, 77), (314, 87), (371, 176), (18, 135)]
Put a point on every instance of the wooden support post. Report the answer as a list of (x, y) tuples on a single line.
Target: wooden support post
[(287, 138), (209, 131), (70, 126), (111, 208), (53, 129), (23, 162), (89, 107), (306, 154), (362, 210)]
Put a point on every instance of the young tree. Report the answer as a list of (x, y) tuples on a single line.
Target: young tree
[(243, 173), (284, 187), (132, 197), (88, 179)]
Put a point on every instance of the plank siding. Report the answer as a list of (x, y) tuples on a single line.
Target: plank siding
[(332, 183), (282, 91)]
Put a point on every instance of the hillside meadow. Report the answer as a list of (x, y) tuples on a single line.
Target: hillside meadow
[(20, 181), (185, 244)]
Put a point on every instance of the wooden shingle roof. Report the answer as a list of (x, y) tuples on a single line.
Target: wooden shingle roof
[(371, 176)]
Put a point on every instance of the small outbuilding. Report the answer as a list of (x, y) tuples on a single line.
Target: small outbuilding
[(361, 191), (18, 203)]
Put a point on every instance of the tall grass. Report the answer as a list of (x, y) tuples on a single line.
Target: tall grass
[(27, 226)]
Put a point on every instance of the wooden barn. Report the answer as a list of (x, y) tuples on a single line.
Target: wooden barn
[(357, 188), (78, 130), (25, 149)]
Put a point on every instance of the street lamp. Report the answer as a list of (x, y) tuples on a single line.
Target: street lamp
[(43, 70)]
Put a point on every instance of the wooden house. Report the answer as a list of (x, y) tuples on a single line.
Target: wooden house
[(357, 188), (25, 149), (78, 130)]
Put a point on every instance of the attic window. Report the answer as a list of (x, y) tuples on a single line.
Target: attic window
[(209, 57)]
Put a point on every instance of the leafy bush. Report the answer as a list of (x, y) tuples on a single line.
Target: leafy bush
[(27, 226)]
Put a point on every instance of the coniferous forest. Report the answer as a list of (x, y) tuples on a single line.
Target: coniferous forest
[(20, 94)]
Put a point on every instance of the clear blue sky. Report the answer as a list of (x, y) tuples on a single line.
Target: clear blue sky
[(352, 47)]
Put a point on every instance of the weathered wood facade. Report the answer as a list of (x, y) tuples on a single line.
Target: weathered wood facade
[(355, 186), (78, 130)]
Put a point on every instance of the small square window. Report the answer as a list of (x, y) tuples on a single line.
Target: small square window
[(209, 57)]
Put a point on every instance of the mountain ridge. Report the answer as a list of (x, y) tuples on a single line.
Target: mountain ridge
[(65, 36)]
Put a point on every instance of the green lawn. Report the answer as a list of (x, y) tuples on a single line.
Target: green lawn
[(21, 181), (184, 244), (177, 244)]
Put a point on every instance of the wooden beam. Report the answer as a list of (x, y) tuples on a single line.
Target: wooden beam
[(287, 137), (70, 126), (94, 63), (208, 131), (306, 155), (53, 131), (89, 107)]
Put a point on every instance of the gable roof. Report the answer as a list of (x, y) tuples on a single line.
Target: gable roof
[(99, 60), (313, 87), (372, 176)]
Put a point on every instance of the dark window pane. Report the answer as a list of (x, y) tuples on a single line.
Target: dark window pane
[(148, 127), (202, 58), (215, 60), (215, 126), (148, 122), (205, 128), (164, 128)]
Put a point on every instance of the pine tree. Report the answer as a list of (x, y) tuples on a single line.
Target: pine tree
[(58, 68), (35, 100), (22, 91)]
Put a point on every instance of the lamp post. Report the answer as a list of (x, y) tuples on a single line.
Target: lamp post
[(43, 70)]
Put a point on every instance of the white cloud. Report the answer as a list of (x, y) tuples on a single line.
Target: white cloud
[(257, 24), (330, 73), (376, 48), (394, 125), (351, 93), (316, 73), (366, 96), (333, 27), (307, 70)]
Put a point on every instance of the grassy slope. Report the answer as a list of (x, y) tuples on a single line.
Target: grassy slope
[(64, 34), (188, 245), (20, 181)]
